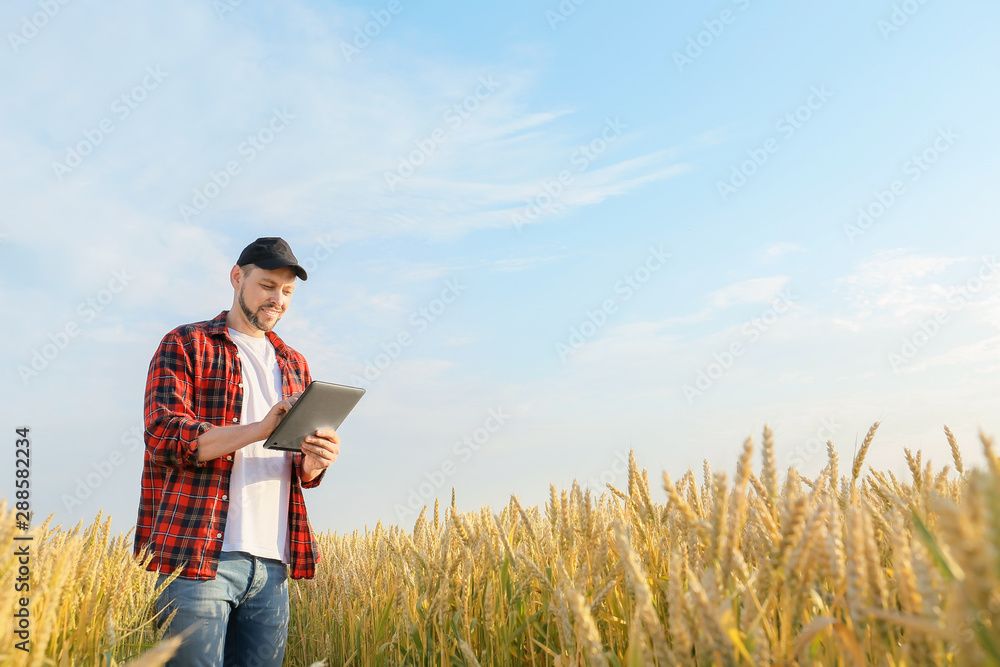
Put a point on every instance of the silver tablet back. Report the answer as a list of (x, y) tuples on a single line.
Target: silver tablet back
[(321, 405)]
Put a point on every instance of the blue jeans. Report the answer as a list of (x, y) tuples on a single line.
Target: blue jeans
[(238, 618)]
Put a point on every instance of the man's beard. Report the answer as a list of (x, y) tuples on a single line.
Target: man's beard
[(252, 316)]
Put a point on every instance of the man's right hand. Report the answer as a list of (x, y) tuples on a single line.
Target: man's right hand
[(224, 440), (276, 414)]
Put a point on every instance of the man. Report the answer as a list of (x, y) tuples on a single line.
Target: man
[(215, 504)]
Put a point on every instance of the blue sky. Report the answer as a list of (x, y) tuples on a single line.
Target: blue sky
[(598, 228)]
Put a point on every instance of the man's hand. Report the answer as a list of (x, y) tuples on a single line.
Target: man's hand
[(276, 414), (318, 452), (224, 440)]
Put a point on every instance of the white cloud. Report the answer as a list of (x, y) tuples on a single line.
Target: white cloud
[(755, 290), (902, 286), (313, 172), (796, 378), (978, 354), (521, 263), (776, 250), (461, 340)]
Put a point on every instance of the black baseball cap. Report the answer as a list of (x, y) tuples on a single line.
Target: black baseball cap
[(271, 252)]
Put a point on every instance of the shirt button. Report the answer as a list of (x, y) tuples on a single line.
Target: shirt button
[(229, 458), (235, 420), (241, 384), (225, 497), (218, 534)]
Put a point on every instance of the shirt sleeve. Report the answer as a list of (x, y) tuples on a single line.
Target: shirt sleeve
[(297, 462), (172, 428)]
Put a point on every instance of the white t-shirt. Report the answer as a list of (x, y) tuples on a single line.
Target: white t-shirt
[(260, 483)]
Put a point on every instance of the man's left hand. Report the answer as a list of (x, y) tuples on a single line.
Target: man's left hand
[(318, 452)]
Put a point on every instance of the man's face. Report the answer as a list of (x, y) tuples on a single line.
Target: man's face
[(264, 295)]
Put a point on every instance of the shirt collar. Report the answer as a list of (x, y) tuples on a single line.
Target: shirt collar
[(217, 327)]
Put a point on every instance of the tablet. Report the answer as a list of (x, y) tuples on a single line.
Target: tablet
[(321, 405)]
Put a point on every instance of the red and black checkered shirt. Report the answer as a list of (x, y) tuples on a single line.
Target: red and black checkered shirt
[(195, 382)]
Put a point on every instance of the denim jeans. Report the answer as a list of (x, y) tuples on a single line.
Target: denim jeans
[(240, 618)]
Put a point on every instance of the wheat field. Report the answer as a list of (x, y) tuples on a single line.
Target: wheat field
[(854, 567)]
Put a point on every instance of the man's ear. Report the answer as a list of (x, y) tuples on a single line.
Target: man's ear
[(235, 276)]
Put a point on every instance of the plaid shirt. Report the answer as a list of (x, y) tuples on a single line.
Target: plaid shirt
[(195, 382)]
